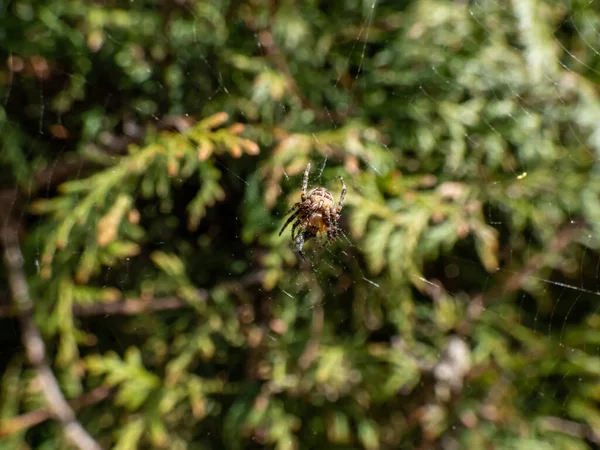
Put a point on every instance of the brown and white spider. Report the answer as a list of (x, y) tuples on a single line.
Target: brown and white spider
[(315, 213)]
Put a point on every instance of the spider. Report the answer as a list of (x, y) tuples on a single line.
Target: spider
[(315, 213)]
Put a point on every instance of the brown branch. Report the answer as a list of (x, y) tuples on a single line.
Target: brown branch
[(35, 347), (129, 307), (272, 52), (560, 241), (515, 279), (38, 416), (133, 306), (569, 427)]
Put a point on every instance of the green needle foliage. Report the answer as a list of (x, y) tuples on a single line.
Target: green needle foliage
[(149, 151)]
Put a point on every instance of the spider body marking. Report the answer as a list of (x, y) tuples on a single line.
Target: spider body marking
[(315, 213)]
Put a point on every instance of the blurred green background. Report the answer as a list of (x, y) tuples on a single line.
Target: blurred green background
[(150, 149)]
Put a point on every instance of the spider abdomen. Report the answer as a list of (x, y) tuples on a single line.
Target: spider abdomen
[(316, 222)]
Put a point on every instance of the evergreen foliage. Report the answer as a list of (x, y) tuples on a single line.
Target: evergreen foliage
[(149, 151)]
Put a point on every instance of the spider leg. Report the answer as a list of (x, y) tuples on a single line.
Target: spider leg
[(292, 217), (329, 221), (334, 232), (296, 224), (342, 196), (305, 182), (296, 206)]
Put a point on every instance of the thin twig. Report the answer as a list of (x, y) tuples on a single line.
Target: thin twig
[(38, 416), (318, 321), (36, 349)]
